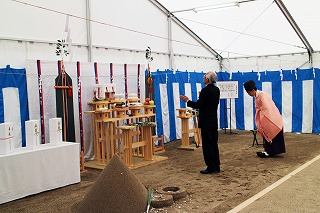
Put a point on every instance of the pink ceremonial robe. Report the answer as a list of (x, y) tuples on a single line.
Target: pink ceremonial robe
[(268, 118)]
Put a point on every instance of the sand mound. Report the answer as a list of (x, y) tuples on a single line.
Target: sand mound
[(115, 190)]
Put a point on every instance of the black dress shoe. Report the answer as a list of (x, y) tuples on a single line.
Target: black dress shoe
[(263, 154), (206, 171)]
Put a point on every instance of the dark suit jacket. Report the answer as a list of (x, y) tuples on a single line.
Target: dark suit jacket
[(208, 105)]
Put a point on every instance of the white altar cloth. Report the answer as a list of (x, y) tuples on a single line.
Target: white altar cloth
[(25, 172)]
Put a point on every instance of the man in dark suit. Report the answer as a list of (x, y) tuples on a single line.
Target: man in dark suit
[(208, 105)]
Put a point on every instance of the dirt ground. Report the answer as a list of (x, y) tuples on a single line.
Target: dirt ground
[(243, 175)]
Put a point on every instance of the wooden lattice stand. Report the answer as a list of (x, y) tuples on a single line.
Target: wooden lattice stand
[(185, 114), (112, 137), (158, 148)]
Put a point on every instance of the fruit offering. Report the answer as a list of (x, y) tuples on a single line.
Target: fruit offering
[(148, 101)]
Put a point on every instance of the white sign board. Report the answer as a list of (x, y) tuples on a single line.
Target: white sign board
[(228, 89)]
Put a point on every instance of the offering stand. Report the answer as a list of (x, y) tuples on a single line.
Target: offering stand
[(185, 114), (135, 111), (112, 137), (95, 105), (148, 109), (101, 137), (129, 144)]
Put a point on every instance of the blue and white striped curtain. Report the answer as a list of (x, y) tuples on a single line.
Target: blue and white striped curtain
[(294, 92), (167, 89), (14, 101)]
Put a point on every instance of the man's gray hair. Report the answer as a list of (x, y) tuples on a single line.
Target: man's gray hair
[(212, 77)]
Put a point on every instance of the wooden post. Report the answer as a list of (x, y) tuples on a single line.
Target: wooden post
[(127, 144), (82, 169), (147, 137)]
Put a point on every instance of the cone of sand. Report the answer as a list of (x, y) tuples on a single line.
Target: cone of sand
[(115, 190)]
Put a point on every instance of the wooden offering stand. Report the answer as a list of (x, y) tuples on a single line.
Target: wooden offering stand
[(121, 112), (113, 137), (148, 109), (111, 106), (135, 111), (158, 148), (185, 114), (98, 104), (102, 145), (129, 144), (95, 105)]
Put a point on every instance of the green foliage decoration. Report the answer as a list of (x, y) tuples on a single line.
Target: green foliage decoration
[(142, 123), (148, 54), (61, 48)]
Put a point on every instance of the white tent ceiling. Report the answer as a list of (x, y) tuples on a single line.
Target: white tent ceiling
[(254, 28)]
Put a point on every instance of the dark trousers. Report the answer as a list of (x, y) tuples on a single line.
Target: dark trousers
[(210, 149), (277, 146)]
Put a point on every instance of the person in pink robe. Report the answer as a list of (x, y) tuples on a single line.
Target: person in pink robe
[(268, 121)]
